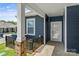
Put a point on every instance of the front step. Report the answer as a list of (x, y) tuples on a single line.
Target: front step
[(46, 51)]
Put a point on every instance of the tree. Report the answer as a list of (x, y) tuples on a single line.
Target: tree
[(2, 21), (12, 22), (8, 22)]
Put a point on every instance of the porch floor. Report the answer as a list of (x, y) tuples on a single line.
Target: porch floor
[(59, 49)]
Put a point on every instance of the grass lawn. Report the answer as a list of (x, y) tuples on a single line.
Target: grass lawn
[(10, 33), (5, 51)]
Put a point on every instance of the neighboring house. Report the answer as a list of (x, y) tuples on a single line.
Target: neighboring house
[(7, 27)]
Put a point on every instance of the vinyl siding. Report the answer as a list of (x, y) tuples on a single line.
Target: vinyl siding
[(38, 26), (73, 28)]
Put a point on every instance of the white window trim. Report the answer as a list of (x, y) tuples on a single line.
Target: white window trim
[(27, 26)]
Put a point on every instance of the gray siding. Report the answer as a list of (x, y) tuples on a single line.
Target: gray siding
[(73, 28), (39, 25)]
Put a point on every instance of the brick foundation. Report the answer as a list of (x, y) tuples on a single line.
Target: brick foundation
[(20, 48)]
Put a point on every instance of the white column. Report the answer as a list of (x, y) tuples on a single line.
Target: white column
[(44, 30), (65, 32), (20, 22), (20, 44)]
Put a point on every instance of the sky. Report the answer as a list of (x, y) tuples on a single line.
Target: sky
[(8, 11)]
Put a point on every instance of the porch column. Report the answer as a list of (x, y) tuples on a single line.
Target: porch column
[(20, 44), (44, 30)]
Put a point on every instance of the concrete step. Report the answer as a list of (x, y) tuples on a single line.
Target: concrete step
[(46, 51)]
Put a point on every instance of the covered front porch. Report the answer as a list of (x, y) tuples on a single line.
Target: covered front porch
[(50, 13), (48, 24)]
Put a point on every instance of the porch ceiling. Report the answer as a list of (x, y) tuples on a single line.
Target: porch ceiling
[(54, 9)]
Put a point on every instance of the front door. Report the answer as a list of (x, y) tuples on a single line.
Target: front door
[(56, 31)]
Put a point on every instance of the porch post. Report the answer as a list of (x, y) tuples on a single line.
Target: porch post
[(44, 30), (20, 44)]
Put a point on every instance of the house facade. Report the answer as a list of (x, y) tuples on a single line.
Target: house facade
[(58, 24), (7, 27)]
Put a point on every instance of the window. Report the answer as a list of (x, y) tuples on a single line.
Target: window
[(30, 26)]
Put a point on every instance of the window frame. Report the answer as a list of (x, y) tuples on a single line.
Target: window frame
[(27, 27)]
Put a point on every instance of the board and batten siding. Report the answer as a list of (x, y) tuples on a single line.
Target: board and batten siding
[(73, 28), (39, 26)]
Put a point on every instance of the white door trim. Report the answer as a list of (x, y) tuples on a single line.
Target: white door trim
[(60, 29)]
